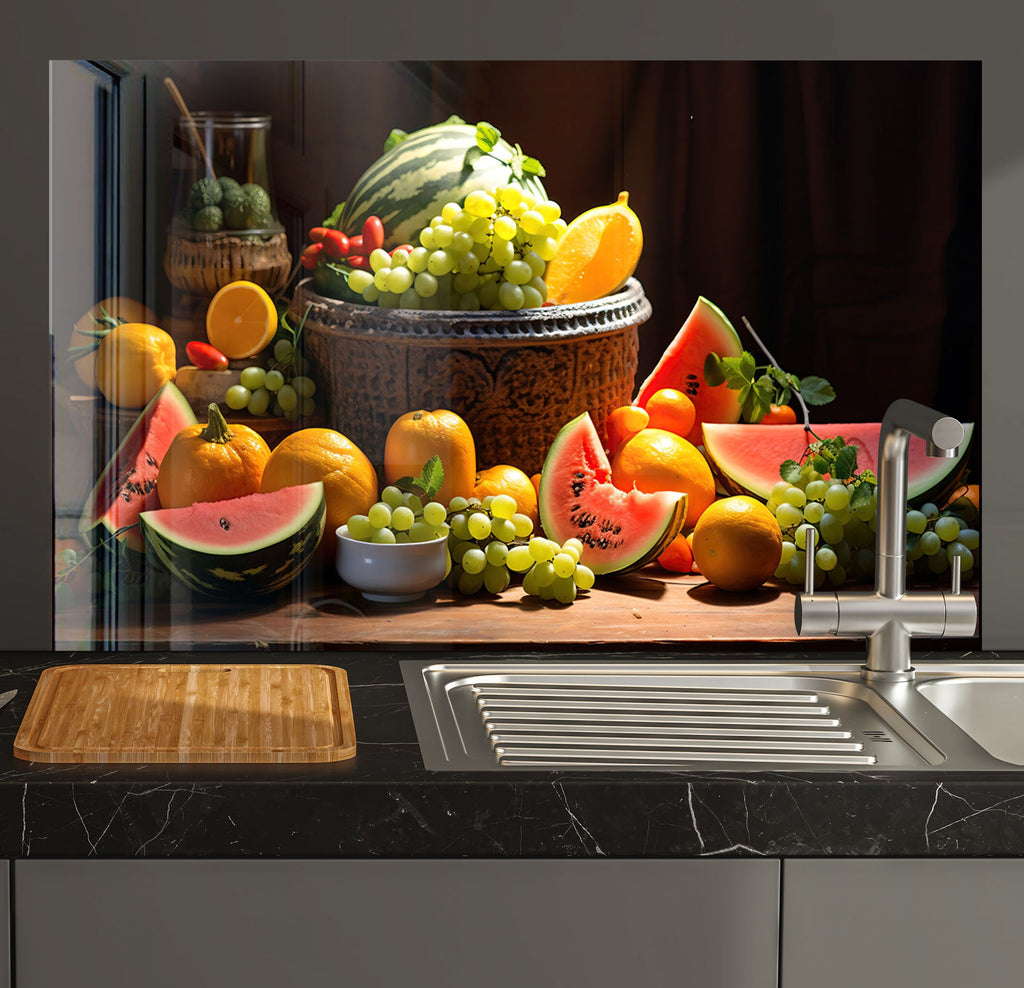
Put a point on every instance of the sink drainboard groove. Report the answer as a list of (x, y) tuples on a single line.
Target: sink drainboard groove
[(545, 725)]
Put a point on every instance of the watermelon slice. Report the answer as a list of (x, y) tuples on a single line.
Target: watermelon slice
[(746, 457), (706, 330), (128, 482), (620, 530), (250, 545)]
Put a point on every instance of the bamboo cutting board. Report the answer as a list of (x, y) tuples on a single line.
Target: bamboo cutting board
[(212, 712)]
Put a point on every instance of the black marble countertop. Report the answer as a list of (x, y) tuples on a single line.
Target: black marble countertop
[(384, 803)]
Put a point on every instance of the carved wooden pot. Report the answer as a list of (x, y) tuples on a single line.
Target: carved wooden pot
[(516, 378)]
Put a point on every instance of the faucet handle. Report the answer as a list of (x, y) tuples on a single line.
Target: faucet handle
[(955, 565), (811, 536)]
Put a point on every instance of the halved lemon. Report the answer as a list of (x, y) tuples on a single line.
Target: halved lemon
[(241, 320)]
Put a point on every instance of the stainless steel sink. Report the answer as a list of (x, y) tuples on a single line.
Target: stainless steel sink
[(593, 715)]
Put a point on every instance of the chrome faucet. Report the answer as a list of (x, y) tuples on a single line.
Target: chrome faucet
[(888, 616)]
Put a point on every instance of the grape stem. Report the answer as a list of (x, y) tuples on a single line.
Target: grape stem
[(775, 364)]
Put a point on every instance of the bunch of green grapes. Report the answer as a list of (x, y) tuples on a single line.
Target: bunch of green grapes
[(400, 516), (283, 389), (935, 537), (482, 536), (490, 252), (551, 571)]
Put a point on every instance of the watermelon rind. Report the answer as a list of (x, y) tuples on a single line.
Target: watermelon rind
[(218, 567), (620, 530), (717, 334), (743, 456), (408, 184), (99, 524)]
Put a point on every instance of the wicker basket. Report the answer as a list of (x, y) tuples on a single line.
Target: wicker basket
[(203, 266), (515, 378)]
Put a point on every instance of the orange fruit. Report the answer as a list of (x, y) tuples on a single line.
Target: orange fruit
[(670, 409), (598, 252), (737, 543), (98, 318), (241, 320), (621, 423), (694, 568), (211, 462), (133, 362), (658, 460), (505, 479), (678, 557), (350, 482), (535, 480), (417, 436), (779, 415)]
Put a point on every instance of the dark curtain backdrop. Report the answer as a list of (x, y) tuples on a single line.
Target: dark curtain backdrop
[(835, 205)]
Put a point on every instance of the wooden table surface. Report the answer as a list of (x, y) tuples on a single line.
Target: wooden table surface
[(648, 608)]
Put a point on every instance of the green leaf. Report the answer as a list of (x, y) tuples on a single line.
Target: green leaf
[(790, 471), (736, 378), (846, 463), (713, 375), (332, 221), (531, 166), (487, 136), (816, 390), (432, 476), (862, 495), (763, 394), (748, 366), (821, 463), (395, 138)]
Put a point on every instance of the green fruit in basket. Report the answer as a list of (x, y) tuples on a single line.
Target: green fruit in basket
[(205, 192), (258, 197), (228, 185), (209, 219)]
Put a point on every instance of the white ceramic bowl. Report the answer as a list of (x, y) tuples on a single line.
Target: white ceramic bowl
[(390, 573)]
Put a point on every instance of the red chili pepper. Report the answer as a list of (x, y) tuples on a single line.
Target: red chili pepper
[(373, 234), (205, 355), (358, 261), (310, 256), (356, 246), (317, 233), (335, 243)]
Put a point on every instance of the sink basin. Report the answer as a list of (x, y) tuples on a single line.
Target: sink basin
[(594, 714), (990, 710)]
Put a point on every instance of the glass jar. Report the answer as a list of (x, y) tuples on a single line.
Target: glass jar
[(224, 224)]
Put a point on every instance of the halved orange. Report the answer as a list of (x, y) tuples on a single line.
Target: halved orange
[(598, 252), (241, 320)]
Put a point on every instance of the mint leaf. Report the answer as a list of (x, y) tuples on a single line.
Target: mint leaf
[(821, 463), (432, 476), (713, 375), (487, 136), (790, 471), (747, 365), (394, 139), (816, 390), (332, 221), (763, 395), (736, 378)]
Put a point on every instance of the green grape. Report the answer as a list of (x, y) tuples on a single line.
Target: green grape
[(479, 525), (380, 260), (434, 513), (503, 506), (402, 519), (865, 512), (470, 583), (541, 549), (970, 537), (583, 577), (400, 280), (371, 293), (816, 490), (826, 558), (536, 263), (930, 510), (917, 522), (510, 196), (957, 548), (479, 203), (794, 496), (788, 515), (486, 502), (939, 563), (503, 529), (237, 397), (252, 378), (458, 503), (518, 272), (426, 285), (383, 535), (531, 221), (837, 576), (843, 553), (283, 350), (837, 497), (545, 573), (778, 491), (422, 532), (459, 549), (462, 244), (572, 552), (496, 578), (502, 252), (510, 296), (930, 543), (379, 515), (532, 299), (530, 584), (392, 496), (440, 262), (788, 549), (459, 525), (287, 398), (380, 280), (800, 535), (563, 564), (914, 552), (575, 543), (474, 560), (831, 529), (274, 380), (523, 525), (519, 559), (505, 227), (814, 512), (565, 590), (359, 527), (412, 502), (496, 553), (795, 570), (947, 528), (259, 401)]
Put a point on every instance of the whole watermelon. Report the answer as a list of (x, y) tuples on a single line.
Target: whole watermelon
[(413, 179)]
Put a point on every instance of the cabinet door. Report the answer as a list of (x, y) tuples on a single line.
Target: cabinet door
[(389, 923), (940, 923)]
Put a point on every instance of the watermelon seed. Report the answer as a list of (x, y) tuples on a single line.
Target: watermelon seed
[(225, 524)]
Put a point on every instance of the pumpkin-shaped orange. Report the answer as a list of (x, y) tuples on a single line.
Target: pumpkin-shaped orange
[(418, 435), (212, 462)]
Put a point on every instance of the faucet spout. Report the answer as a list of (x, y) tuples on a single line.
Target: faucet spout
[(943, 436)]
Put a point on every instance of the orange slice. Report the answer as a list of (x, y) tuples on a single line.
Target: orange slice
[(599, 250), (241, 320)]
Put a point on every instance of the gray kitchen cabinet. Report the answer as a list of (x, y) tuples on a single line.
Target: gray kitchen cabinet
[(847, 923), (386, 923)]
